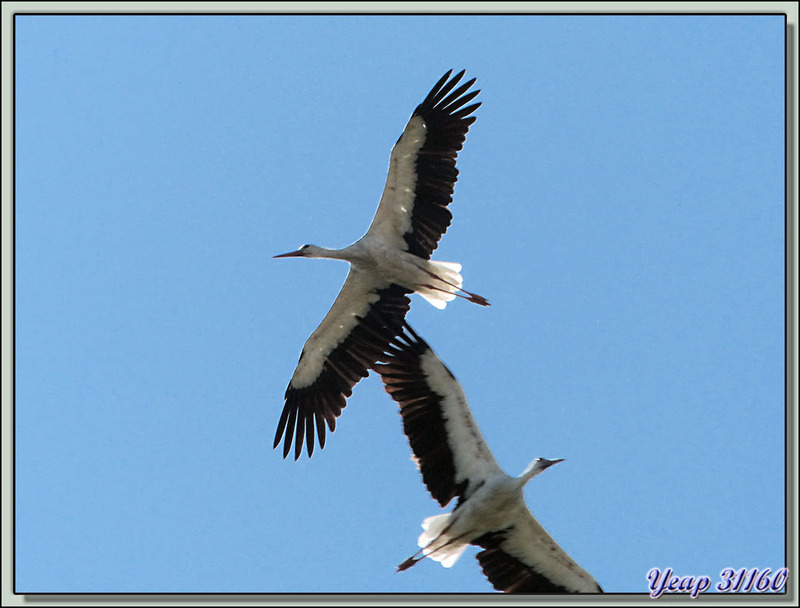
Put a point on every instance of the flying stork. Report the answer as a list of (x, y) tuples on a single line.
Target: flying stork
[(388, 263), (518, 555)]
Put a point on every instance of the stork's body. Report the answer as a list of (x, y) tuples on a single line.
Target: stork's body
[(437, 282), (388, 263), (455, 462)]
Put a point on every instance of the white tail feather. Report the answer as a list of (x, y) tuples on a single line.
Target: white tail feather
[(444, 286), (432, 527), (449, 272), (437, 546), (454, 266), (439, 299), (447, 556)]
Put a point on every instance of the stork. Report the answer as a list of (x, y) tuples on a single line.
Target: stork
[(518, 554), (388, 263)]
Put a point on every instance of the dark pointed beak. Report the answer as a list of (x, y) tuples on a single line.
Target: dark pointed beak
[(291, 254), (550, 463)]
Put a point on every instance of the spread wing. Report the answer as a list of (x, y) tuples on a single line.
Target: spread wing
[(524, 558), (413, 212), (353, 335), (448, 446)]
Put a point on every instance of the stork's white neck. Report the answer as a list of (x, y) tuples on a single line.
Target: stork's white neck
[(314, 251), (531, 471), (355, 253)]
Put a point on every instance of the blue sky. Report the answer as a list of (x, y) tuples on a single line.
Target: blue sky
[(620, 203)]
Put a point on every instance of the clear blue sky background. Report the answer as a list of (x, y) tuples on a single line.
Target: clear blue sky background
[(620, 203)]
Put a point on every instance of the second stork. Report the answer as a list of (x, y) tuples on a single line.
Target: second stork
[(518, 555)]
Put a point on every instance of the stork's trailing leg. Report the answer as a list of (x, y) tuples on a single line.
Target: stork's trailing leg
[(436, 528), (446, 285)]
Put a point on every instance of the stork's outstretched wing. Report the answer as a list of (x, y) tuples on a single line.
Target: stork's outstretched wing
[(413, 213), (524, 558), (452, 454), (353, 335)]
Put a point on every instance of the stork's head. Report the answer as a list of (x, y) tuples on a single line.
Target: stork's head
[(537, 466), (306, 251)]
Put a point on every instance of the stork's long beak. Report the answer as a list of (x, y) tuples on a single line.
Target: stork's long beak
[(291, 254)]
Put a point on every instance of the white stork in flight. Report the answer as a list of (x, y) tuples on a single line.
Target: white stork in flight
[(518, 555), (389, 262)]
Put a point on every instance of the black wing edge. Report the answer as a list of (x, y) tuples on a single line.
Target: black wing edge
[(509, 575), (420, 409), (323, 401), (447, 124)]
